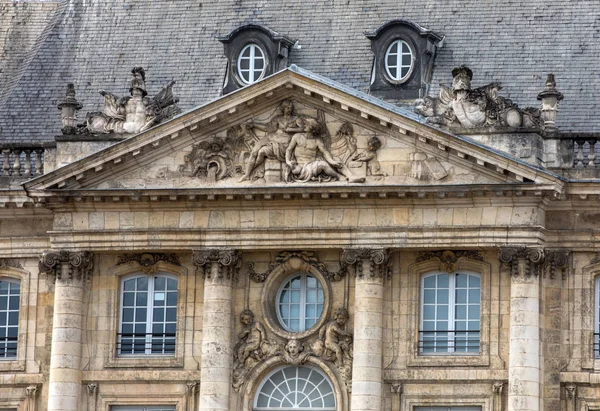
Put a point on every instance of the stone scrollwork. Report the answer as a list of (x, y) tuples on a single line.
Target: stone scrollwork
[(10, 263), (449, 259), (227, 261), (378, 258), (136, 113), (79, 264), (148, 262), (534, 258), (308, 257), (482, 107), (211, 160)]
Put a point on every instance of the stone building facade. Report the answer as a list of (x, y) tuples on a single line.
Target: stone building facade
[(295, 239)]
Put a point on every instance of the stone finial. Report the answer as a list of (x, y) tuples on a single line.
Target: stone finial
[(79, 264), (68, 110), (550, 98), (228, 262)]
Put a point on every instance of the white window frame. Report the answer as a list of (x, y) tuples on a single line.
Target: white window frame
[(303, 288), (3, 352), (251, 61), (313, 369), (451, 318), (447, 408), (398, 79), (149, 315), (130, 408)]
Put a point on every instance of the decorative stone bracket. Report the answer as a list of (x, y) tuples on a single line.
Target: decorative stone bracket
[(497, 389), (31, 392), (378, 259), (228, 262), (67, 265), (449, 258), (308, 257), (571, 391), (536, 260), (149, 261)]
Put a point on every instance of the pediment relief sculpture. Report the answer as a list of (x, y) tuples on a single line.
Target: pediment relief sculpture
[(334, 344), (481, 107), (135, 113)]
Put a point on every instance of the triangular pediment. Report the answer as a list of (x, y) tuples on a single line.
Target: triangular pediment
[(335, 136)]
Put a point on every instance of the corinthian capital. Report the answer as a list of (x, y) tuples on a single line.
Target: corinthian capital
[(227, 261), (532, 257), (378, 261), (67, 265)]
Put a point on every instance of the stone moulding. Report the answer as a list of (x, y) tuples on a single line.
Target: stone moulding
[(537, 260), (80, 264), (379, 261), (10, 263), (148, 262), (308, 257), (449, 258), (228, 262)]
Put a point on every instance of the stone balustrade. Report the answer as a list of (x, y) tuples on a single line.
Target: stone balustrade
[(22, 159), (586, 152)]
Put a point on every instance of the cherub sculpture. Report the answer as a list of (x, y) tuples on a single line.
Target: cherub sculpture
[(250, 339), (369, 156), (135, 113), (335, 343)]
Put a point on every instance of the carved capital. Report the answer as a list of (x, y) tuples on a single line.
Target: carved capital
[(228, 262), (497, 387), (308, 257), (556, 260), (148, 262), (31, 391), (378, 259), (571, 391), (10, 263), (397, 388), (449, 258), (532, 257), (192, 387), (92, 389), (79, 264)]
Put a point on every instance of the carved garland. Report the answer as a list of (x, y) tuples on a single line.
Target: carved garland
[(449, 258), (148, 262), (308, 257), (80, 264)]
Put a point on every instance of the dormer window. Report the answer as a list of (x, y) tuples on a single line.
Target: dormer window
[(403, 60), (399, 61), (251, 64), (253, 52)]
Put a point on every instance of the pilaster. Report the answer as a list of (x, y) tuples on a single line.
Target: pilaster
[(219, 268), (371, 268), (69, 270)]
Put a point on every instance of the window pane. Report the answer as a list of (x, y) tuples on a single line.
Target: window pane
[(159, 283), (443, 281)]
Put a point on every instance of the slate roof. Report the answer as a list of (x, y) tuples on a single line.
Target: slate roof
[(95, 43)]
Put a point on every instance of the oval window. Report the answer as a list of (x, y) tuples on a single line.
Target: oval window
[(251, 64), (399, 61), (300, 302)]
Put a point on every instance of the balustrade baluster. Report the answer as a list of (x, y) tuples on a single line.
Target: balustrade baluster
[(39, 165), (17, 162), (27, 167), (579, 155), (6, 165)]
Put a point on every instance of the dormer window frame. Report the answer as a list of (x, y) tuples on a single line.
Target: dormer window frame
[(413, 60), (253, 47)]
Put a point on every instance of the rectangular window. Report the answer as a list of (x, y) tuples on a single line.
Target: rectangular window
[(597, 319), (10, 301), (135, 408), (450, 314), (448, 409), (148, 315)]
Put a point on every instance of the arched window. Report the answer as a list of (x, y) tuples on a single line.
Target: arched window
[(450, 313), (251, 63), (298, 388), (10, 302), (148, 315), (300, 302), (399, 60)]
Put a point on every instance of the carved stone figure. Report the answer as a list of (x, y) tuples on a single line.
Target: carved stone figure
[(309, 159), (343, 144), (369, 156), (274, 143), (294, 353), (335, 343), (480, 107), (211, 160), (133, 114)]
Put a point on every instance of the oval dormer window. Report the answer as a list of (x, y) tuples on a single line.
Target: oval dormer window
[(399, 61), (251, 63)]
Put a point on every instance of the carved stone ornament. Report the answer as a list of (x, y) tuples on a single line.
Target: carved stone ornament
[(149, 261), (534, 258), (334, 344), (379, 261), (481, 108), (596, 259), (449, 258), (571, 390), (10, 263), (68, 110), (228, 262), (424, 167), (556, 259), (31, 391), (211, 160), (396, 388), (80, 264), (308, 257), (133, 114)]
